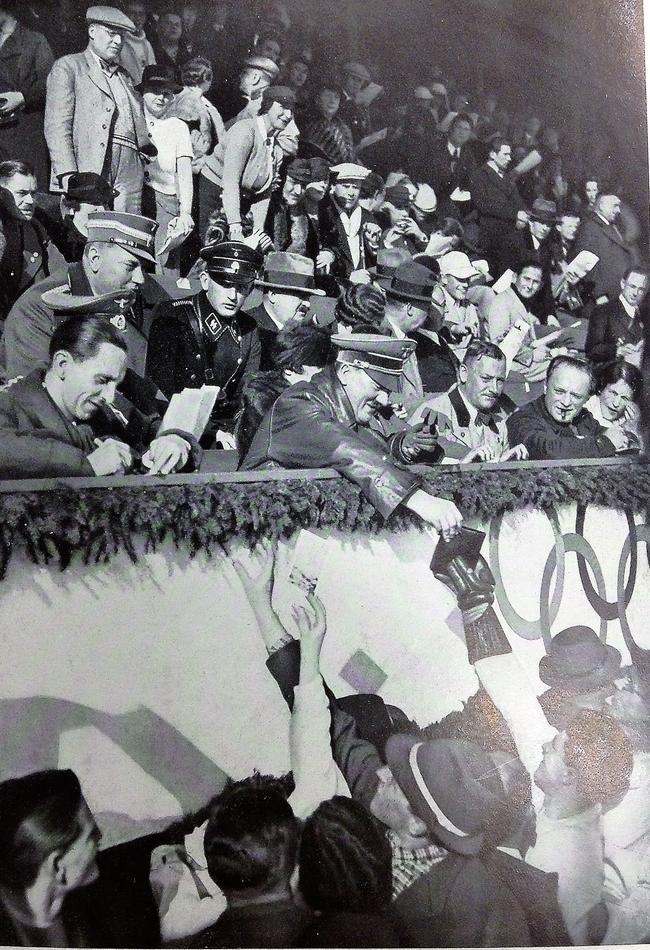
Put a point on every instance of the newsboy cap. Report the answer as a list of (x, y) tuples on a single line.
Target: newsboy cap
[(232, 260), (110, 16), (133, 232), (348, 171), (282, 94), (381, 357), (356, 69), (264, 64)]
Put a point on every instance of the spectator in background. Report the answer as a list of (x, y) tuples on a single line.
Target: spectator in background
[(599, 234), (27, 252), (25, 61), (169, 47), (355, 77), (137, 51), (49, 842), (616, 328), (557, 425), (458, 316), (373, 190), (452, 167), (343, 222), (101, 129), (346, 877), (316, 191), (326, 131), (169, 188), (287, 223), (499, 205), (297, 77), (533, 243)]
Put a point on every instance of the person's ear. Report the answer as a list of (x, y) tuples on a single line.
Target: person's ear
[(204, 279), (60, 363), (462, 373), (94, 258), (55, 866)]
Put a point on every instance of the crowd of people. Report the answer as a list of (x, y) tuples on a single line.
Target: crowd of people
[(375, 273), (378, 273)]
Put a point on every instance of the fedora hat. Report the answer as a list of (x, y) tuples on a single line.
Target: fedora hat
[(455, 788), (164, 77), (543, 211), (579, 660), (388, 260), (291, 272), (411, 283)]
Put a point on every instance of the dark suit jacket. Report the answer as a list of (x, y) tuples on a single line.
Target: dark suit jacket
[(542, 303), (278, 924), (437, 363), (27, 255), (311, 425), (447, 173), (333, 238), (497, 202), (609, 324), (606, 241), (547, 439)]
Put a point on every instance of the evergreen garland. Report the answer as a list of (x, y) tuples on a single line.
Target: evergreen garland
[(98, 522)]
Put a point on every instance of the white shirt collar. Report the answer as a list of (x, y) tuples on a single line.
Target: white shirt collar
[(629, 309), (495, 168), (451, 149), (269, 309), (536, 241)]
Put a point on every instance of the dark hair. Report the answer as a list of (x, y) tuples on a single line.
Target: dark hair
[(251, 840), (10, 168), (619, 369), (360, 303), (451, 227), (559, 361), (82, 337), (371, 184), (530, 262), (329, 83), (600, 754), (196, 70), (480, 348), (461, 117), (497, 143), (258, 396), (639, 269), (301, 346), (39, 816), (345, 859)]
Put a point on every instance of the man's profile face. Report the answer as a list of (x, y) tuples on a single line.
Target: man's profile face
[(18, 196), (528, 282), (225, 296), (88, 384), (347, 194), (292, 192), (116, 269), (634, 287), (80, 859), (609, 207), (568, 226), (482, 381), (553, 773), (106, 42), (392, 808), (413, 316), (288, 307), (366, 396), (567, 390), (502, 158), (460, 133)]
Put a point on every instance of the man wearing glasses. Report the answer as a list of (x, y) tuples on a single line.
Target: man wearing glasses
[(93, 118)]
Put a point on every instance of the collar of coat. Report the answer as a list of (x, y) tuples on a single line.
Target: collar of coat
[(328, 385)]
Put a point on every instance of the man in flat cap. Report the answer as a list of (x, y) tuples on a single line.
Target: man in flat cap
[(70, 419), (207, 339), (327, 423), (240, 173), (343, 222), (243, 102), (93, 118), (118, 246), (287, 223)]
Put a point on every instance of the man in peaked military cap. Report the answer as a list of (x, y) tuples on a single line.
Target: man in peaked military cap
[(206, 339), (326, 423), (118, 245)]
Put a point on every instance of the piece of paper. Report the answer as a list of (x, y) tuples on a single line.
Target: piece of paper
[(459, 195), (363, 674), (308, 558), (368, 94), (371, 139), (582, 263), (504, 281), (513, 340), (189, 410)]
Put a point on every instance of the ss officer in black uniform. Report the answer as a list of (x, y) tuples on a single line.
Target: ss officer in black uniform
[(206, 339)]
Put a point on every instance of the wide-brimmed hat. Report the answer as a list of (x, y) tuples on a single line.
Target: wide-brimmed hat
[(412, 283), (284, 270), (579, 660), (161, 76), (133, 232), (543, 211), (388, 260), (381, 357), (455, 788)]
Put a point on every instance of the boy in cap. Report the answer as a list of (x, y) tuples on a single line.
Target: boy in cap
[(118, 245), (327, 423), (343, 222), (102, 129), (207, 339), (458, 316)]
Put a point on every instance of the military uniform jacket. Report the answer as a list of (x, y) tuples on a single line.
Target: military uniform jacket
[(312, 425), (191, 346)]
